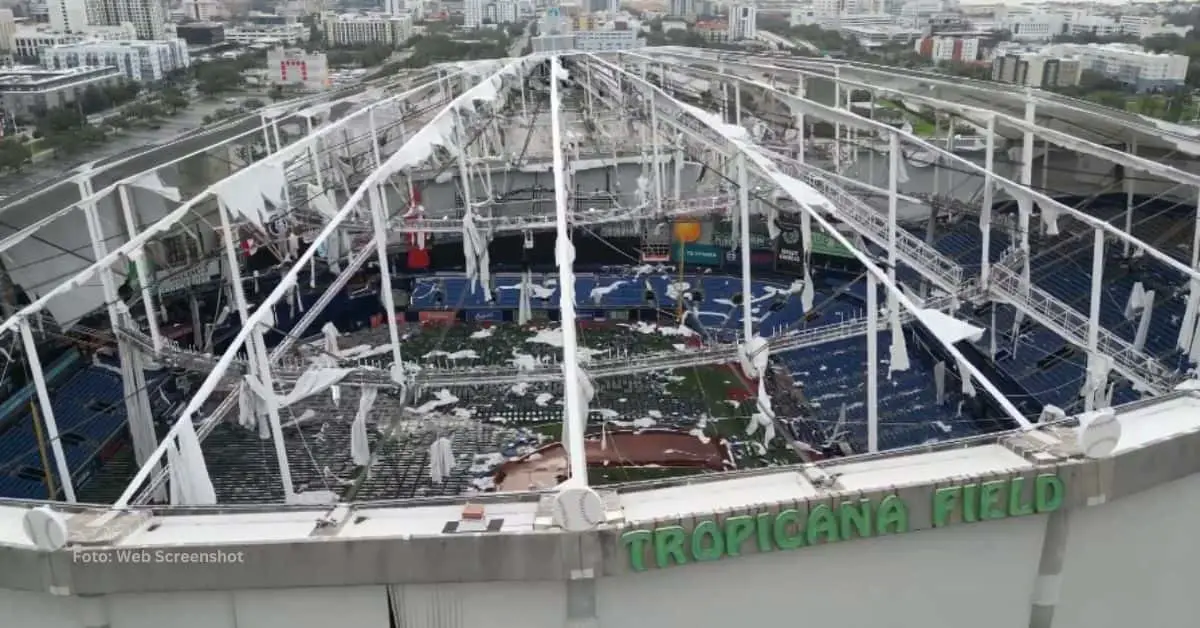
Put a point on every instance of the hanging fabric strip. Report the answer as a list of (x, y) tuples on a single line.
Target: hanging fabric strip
[(360, 448), (1188, 326), (968, 389), (939, 381), (1143, 329)]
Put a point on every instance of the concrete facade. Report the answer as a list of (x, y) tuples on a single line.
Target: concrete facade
[(1121, 547)]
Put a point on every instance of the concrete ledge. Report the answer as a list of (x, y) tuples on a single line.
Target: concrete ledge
[(99, 563)]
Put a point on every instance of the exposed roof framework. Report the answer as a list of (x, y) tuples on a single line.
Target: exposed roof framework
[(380, 129)]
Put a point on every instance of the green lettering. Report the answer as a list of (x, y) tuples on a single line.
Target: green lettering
[(1048, 493), (856, 518), (944, 501), (821, 522), (708, 542), (637, 541), (892, 516), (668, 546), (738, 530), (1017, 505), (763, 524), (970, 503), (989, 500), (787, 529)]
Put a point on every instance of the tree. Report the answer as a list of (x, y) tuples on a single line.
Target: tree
[(275, 93), (252, 104), (14, 154), (94, 100), (214, 78), (516, 29), (173, 99)]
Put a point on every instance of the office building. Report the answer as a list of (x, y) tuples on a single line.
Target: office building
[(362, 30), (147, 16), (26, 91), (68, 16), (201, 33), (742, 22), (1036, 70), (141, 61), (283, 34), (1131, 65), (473, 13), (204, 10), (682, 8), (8, 31), (942, 48)]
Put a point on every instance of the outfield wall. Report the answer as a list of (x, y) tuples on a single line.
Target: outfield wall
[(1114, 547)]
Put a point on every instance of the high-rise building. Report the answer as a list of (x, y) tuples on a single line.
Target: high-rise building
[(8, 31), (68, 16), (147, 16), (742, 22), (682, 8), (473, 13)]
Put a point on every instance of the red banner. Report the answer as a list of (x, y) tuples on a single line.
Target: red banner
[(437, 316)]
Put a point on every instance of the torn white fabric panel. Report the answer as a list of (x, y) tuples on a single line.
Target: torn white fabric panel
[(1049, 214), (441, 460), (754, 355), (197, 483), (1143, 329), (151, 182), (311, 382), (360, 448), (176, 475), (524, 310), (898, 351), (1187, 327), (968, 389), (951, 330), (330, 333), (808, 293), (322, 200), (243, 196), (1137, 298), (246, 407), (939, 381), (806, 235)]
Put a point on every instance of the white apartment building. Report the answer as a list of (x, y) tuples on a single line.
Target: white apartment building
[(141, 61), (1132, 65), (8, 31), (957, 49), (606, 40), (147, 16), (361, 30), (68, 16), (473, 13), (204, 10), (682, 8), (283, 34), (507, 11), (27, 42), (742, 22)]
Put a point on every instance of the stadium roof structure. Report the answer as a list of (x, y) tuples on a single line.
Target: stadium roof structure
[(341, 169)]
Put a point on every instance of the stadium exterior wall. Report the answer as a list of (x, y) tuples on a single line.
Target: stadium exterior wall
[(1119, 547)]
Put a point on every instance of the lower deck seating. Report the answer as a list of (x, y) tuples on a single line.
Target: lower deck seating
[(833, 376), (89, 411)]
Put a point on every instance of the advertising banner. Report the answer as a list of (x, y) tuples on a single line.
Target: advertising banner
[(824, 245), (593, 315), (483, 316), (758, 259), (789, 250), (437, 316), (699, 254), (723, 238)]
